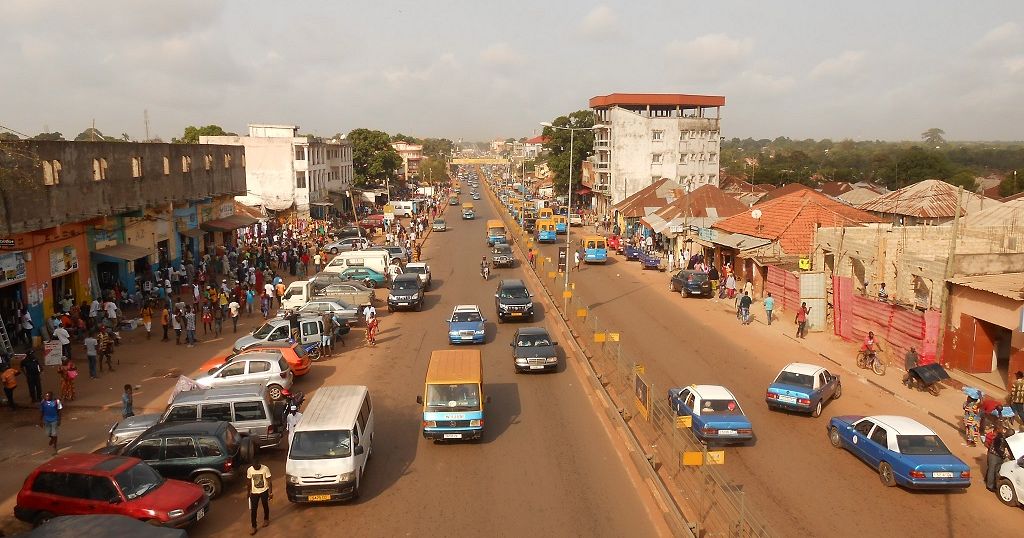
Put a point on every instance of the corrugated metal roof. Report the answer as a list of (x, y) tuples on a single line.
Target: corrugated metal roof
[(650, 198), (858, 196), (930, 199), (1006, 214), (1009, 285)]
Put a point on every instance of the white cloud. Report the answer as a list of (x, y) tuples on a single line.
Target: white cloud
[(845, 65), (501, 54), (757, 82), (999, 39), (600, 22), (711, 50), (1015, 65)]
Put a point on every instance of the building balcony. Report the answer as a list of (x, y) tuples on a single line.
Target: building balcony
[(602, 143), (604, 166)]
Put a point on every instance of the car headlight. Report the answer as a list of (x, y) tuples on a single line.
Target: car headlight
[(521, 361), (347, 477), (176, 513), (292, 479), (551, 360), (429, 423), (479, 331), (529, 305)]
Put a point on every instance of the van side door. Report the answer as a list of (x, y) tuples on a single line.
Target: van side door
[(311, 331)]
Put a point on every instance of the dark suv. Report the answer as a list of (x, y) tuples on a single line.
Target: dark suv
[(689, 283), (206, 453), (84, 484), (406, 293), (501, 256), (513, 300)]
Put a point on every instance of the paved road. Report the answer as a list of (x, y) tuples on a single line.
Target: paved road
[(792, 476), (546, 466)]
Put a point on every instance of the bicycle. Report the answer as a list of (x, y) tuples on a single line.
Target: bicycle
[(870, 360)]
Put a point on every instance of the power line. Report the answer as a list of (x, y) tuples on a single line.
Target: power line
[(13, 131)]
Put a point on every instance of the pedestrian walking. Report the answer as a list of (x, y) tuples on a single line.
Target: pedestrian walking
[(218, 320), (972, 415), (997, 453), (801, 320), (190, 326), (165, 320), (33, 376), (91, 345), (910, 361), (730, 286), (67, 372), (9, 378), (745, 303), (63, 337), (147, 319), (207, 320), (291, 421), (250, 300), (26, 328), (49, 417), (106, 342), (260, 492), (1017, 397), (369, 312), (769, 306), (177, 321), (233, 310), (127, 402), (372, 326), (576, 258)]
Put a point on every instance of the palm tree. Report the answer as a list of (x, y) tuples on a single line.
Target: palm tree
[(934, 136)]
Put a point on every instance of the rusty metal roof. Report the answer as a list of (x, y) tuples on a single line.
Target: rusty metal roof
[(1009, 213), (1009, 285), (930, 199)]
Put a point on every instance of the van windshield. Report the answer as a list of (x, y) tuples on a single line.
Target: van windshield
[(319, 445), (458, 397)]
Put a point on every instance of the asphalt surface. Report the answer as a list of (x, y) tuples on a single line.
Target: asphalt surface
[(791, 475), (547, 464)]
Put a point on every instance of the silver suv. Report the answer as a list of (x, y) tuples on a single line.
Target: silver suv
[(268, 369)]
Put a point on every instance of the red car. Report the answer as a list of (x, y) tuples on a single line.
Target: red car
[(371, 221), (615, 243), (82, 484)]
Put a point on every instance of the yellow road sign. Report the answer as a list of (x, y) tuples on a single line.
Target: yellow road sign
[(639, 369), (716, 457), (685, 421), (552, 274), (599, 337), (566, 294), (581, 312), (693, 458), (613, 337)]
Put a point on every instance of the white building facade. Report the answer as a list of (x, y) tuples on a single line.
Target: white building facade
[(652, 136), (285, 170)]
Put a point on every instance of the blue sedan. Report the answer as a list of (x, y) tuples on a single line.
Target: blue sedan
[(803, 388), (466, 326), (716, 415), (904, 451)]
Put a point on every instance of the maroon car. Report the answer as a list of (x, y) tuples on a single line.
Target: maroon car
[(370, 222), (81, 484)]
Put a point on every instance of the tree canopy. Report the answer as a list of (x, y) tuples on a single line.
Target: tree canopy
[(92, 134), (192, 134), (436, 147), (934, 136), (399, 137), (558, 146), (49, 136), (434, 170), (373, 158)]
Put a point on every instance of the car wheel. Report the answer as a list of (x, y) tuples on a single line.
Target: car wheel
[(274, 391), (1007, 494), (816, 412), (833, 437), (390, 308), (683, 293), (838, 392), (334, 251), (355, 489), (419, 306), (370, 283), (886, 475), (42, 518), (671, 286), (209, 482)]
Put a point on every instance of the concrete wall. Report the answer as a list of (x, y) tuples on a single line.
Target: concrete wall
[(132, 179), (629, 154)]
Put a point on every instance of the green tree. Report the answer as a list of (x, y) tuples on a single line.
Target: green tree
[(399, 137), (93, 134), (373, 158), (8, 137), (934, 137), (192, 134), (1010, 186), (49, 136), (558, 146), (434, 171), (435, 147), (965, 179)]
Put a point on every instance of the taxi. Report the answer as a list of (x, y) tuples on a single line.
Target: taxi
[(293, 354)]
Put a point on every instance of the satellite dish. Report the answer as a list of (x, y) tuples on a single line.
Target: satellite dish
[(756, 214)]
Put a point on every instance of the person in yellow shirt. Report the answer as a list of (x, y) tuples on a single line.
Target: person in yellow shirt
[(147, 319), (280, 292), (9, 378)]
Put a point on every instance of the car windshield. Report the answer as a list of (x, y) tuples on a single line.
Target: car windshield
[(503, 249), (695, 277), (439, 221), (264, 330), (138, 480), (459, 397), (921, 445), (319, 445), (405, 285), (533, 340), (719, 407), (514, 293), (416, 270), (793, 378), (461, 317)]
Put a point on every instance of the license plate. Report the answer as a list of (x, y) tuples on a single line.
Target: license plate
[(403, 304), (536, 367), (787, 399), (200, 514), (453, 436), (727, 432), (319, 497), (942, 475), (516, 314), (467, 337)]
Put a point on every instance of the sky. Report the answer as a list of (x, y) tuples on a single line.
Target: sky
[(477, 70)]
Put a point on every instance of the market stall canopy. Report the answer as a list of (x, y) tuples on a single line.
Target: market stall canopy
[(227, 224), (124, 251)]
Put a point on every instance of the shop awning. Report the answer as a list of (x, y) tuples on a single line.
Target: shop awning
[(124, 251), (193, 232), (227, 224)]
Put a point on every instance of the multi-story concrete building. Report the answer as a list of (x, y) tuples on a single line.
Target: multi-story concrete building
[(288, 171), (87, 217), (411, 155), (653, 136)]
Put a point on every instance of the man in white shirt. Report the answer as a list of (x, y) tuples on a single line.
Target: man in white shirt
[(233, 309), (110, 307), (368, 312), (62, 336), (94, 312)]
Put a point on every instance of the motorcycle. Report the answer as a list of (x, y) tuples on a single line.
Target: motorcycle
[(486, 272), (313, 350), (871, 361), (288, 399)]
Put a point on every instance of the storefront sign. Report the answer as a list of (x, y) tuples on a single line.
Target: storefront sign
[(63, 261), (707, 234), (52, 353), (12, 267), (225, 210), (6, 243), (206, 213)]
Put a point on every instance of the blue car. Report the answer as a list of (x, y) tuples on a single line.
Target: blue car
[(803, 388), (904, 451), (716, 415), (466, 326)]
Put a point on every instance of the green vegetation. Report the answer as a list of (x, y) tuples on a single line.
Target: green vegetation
[(373, 159), (192, 134), (558, 146)]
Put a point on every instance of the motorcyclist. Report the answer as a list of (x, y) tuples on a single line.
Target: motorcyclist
[(485, 267)]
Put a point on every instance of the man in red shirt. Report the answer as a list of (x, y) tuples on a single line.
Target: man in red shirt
[(988, 406)]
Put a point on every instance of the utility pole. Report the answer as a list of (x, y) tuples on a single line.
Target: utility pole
[(145, 120), (948, 273)]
